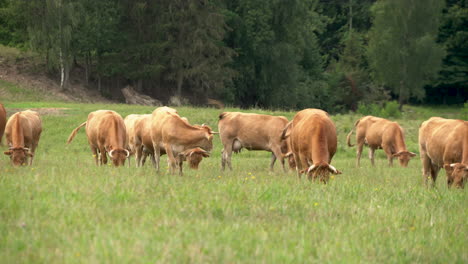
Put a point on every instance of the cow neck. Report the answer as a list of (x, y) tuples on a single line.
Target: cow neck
[(192, 135), (319, 147), (115, 140), (399, 143), (17, 137)]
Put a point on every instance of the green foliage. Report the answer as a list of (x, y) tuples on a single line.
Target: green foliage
[(402, 49), (389, 109)]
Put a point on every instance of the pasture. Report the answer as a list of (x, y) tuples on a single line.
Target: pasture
[(64, 209)]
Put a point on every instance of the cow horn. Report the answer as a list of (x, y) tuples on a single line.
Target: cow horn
[(110, 153), (212, 132), (312, 167), (27, 149), (333, 168), (453, 165), (128, 153)]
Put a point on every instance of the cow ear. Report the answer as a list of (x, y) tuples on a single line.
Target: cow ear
[(448, 167), (7, 152), (396, 154)]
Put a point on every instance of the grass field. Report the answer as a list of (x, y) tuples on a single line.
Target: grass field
[(64, 209)]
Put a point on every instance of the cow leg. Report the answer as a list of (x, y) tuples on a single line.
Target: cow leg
[(360, 139), (138, 155), (157, 156), (297, 160), (95, 155), (388, 152), (171, 159), (226, 156), (304, 165), (103, 156), (276, 153), (272, 162), (372, 155)]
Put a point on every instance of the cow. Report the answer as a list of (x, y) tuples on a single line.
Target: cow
[(23, 131), (380, 133), (313, 142), (175, 135), (2, 121), (253, 132), (443, 143), (140, 144), (106, 133)]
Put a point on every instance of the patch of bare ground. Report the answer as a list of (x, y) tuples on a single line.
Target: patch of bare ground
[(30, 75)]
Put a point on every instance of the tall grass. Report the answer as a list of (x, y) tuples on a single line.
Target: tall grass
[(64, 209)]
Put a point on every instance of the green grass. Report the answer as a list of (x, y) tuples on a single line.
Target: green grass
[(64, 209)]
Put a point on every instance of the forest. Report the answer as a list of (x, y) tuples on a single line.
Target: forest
[(337, 55)]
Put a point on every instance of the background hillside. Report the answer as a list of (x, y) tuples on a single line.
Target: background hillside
[(334, 55)]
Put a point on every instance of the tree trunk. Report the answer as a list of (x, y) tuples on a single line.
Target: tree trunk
[(180, 82), (62, 70), (401, 98)]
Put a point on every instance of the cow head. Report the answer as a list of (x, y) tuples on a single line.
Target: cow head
[(207, 142), (118, 156), (457, 174), (321, 171), (404, 157), (194, 156), (19, 156)]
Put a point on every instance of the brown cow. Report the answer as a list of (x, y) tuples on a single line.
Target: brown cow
[(22, 133), (175, 135), (106, 133), (444, 143), (140, 144), (313, 143), (2, 121), (381, 133), (253, 132)]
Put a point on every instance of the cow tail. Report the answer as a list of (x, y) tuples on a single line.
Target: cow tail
[(286, 131), (222, 115), (348, 138), (73, 133)]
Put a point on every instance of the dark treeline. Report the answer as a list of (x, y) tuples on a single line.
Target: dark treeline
[(330, 54)]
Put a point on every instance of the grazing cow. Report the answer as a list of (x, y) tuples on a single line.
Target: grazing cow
[(444, 143), (106, 133), (253, 132), (2, 121), (22, 133), (313, 142), (175, 135), (380, 133), (138, 129), (140, 144)]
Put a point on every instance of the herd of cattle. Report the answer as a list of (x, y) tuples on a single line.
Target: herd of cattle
[(308, 142)]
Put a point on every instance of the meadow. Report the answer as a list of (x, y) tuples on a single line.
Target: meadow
[(64, 209)]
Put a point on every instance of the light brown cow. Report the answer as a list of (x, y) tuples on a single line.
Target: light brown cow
[(381, 133), (22, 133), (2, 121), (253, 132), (444, 143), (175, 135), (140, 144), (106, 133), (313, 142)]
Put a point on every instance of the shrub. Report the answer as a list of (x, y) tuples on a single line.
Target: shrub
[(390, 109)]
